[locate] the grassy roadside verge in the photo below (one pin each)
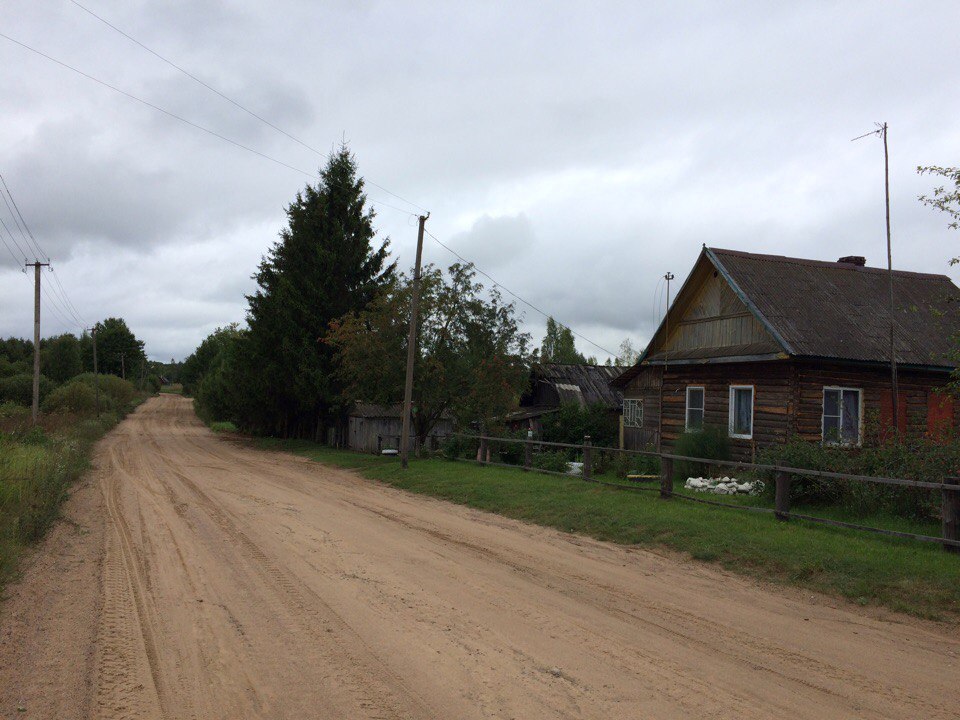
(37, 467)
(906, 576)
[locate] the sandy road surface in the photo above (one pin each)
(199, 579)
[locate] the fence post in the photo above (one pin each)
(483, 451)
(951, 512)
(527, 454)
(782, 500)
(379, 444)
(586, 458)
(666, 478)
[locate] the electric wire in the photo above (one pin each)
(55, 308)
(149, 104)
(17, 223)
(197, 126)
(20, 215)
(9, 250)
(226, 97)
(66, 297)
(19, 249)
(511, 292)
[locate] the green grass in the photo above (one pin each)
(906, 576)
(175, 388)
(223, 426)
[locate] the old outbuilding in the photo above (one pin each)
(770, 347)
(554, 384)
(374, 428)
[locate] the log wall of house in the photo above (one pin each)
(915, 391)
(773, 401)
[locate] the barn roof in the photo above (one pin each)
(836, 310)
(581, 384)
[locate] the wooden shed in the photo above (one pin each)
(553, 384)
(373, 428)
(770, 347)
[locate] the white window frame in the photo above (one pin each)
(702, 408)
(633, 412)
(731, 409)
(823, 415)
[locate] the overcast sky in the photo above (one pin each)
(575, 151)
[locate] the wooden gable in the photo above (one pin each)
(709, 320)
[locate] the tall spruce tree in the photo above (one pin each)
(324, 266)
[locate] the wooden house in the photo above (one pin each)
(373, 428)
(769, 348)
(553, 384)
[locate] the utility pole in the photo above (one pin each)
(666, 320)
(36, 336)
(411, 351)
(96, 369)
(893, 356)
(881, 131)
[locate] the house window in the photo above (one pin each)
(632, 412)
(695, 397)
(741, 411)
(841, 415)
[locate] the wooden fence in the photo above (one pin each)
(949, 488)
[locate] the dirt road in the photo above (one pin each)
(199, 579)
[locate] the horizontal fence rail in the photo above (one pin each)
(950, 487)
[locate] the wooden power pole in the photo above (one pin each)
(36, 337)
(893, 355)
(881, 131)
(411, 351)
(96, 369)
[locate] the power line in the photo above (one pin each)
(226, 97)
(19, 229)
(155, 107)
(20, 249)
(3, 240)
(184, 120)
(76, 314)
(511, 292)
(20, 215)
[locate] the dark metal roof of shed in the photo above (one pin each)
(575, 383)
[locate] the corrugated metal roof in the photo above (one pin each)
(839, 310)
(586, 384)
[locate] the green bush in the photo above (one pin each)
(911, 458)
(623, 464)
(572, 422)
(19, 388)
(710, 443)
(553, 461)
(13, 411)
(120, 392)
(76, 397)
(456, 447)
(511, 452)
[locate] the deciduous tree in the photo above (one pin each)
(471, 356)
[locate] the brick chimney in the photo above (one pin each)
(857, 260)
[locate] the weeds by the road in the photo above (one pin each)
(911, 577)
(37, 467)
(223, 426)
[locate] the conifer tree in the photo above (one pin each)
(324, 266)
